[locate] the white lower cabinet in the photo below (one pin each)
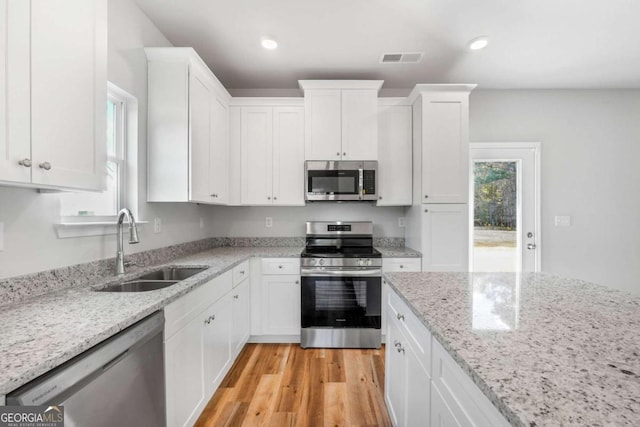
(393, 265)
(240, 317)
(406, 378)
(216, 332)
(281, 305)
(198, 346)
(424, 386)
(184, 375)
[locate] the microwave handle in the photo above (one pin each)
(361, 183)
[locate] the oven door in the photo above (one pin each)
(338, 299)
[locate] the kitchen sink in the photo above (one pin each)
(154, 280)
(139, 286)
(172, 273)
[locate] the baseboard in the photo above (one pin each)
(274, 339)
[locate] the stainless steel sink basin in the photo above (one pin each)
(138, 286)
(154, 280)
(172, 273)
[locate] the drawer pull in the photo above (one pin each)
(400, 316)
(235, 297)
(397, 343)
(280, 267)
(401, 266)
(401, 349)
(241, 271)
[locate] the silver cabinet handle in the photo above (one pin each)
(338, 154)
(531, 246)
(275, 198)
(380, 198)
(426, 210)
(280, 267)
(397, 343)
(25, 162)
(401, 266)
(210, 319)
(46, 166)
(241, 271)
(268, 198)
(297, 282)
(400, 349)
(235, 297)
(344, 154)
(400, 316)
(426, 196)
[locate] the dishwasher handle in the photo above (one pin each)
(73, 374)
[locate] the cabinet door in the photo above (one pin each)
(257, 155)
(281, 305)
(394, 155)
(360, 124)
(445, 148)
(184, 373)
(200, 116)
(418, 389)
(216, 337)
(323, 132)
(441, 415)
(240, 317)
(445, 237)
(219, 151)
(288, 156)
(15, 142)
(69, 92)
(395, 373)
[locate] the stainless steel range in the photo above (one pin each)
(341, 286)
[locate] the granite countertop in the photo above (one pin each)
(545, 350)
(40, 333)
(398, 252)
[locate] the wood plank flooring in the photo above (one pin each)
(279, 385)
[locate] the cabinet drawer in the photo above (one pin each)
(413, 329)
(240, 273)
(181, 311)
(281, 266)
(467, 404)
(392, 265)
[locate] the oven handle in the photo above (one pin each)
(361, 183)
(309, 272)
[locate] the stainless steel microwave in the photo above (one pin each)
(341, 180)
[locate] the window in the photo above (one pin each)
(85, 209)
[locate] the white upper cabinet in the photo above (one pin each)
(187, 129)
(341, 120)
(55, 137)
(271, 152)
(394, 153)
(441, 144)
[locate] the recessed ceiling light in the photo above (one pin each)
(269, 43)
(479, 43)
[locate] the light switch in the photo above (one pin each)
(157, 225)
(401, 222)
(563, 221)
(1, 236)
(268, 222)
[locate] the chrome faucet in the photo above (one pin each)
(133, 237)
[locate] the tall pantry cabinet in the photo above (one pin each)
(438, 219)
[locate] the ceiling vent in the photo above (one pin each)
(402, 58)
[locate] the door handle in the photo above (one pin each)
(531, 246)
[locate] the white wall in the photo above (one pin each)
(290, 221)
(590, 155)
(31, 243)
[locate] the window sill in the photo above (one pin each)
(66, 230)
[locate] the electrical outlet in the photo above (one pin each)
(157, 225)
(268, 222)
(401, 222)
(201, 222)
(1, 236)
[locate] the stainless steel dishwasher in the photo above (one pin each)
(118, 382)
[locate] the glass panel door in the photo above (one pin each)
(505, 214)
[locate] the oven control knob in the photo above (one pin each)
(368, 262)
(321, 262)
(312, 261)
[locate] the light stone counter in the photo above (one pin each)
(42, 332)
(547, 351)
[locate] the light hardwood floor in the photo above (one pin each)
(284, 385)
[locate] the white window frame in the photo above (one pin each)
(127, 159)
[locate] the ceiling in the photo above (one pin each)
(533, 43)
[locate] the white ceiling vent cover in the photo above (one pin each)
(402, 58)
